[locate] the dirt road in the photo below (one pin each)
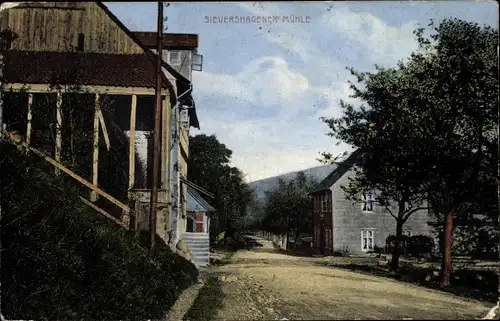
(262, 284)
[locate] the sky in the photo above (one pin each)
(265, 84)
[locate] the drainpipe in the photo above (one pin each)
(175, 188)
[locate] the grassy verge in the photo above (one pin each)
(226, 258)
(208, 301)
(466, 283)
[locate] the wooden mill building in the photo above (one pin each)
(63, 50)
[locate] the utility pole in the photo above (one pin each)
(153, 208)
(3, 46)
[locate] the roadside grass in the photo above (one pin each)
(466, 283)
(225, 259)
(208, 301)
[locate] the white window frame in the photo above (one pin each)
(365, 233)
(407, 232)
(368, 203)
(324, 206)
(174, 63)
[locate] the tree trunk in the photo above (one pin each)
(288, 225)
(394, 265)
(297, 234)
(446, 265)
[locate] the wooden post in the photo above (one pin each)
(131, 164)
(131, 161)
(28, 125)
(58, 130)
(95, 145)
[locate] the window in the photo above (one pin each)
(81, 42)
(175, 57)
(407, 233)
(368, 201)
(324, 205)
(367, 240)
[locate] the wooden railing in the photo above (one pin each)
(12, 138)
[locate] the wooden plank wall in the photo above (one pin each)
(55, 27)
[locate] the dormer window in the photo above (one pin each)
(174, 58)
(368, 201)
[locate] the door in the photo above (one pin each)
(190, 224)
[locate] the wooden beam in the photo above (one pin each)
(109, 90)
(57, 155)
(95, 146)
(104, 129)
(28, 125)
(131, 166)
(75, 176)
(131, 158)
(103, 212)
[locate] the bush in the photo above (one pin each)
(420, 245)
(417, 245)
(62, 261)
(390, 244)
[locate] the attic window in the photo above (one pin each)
(81, 42)
(174, 57)
(368, 200)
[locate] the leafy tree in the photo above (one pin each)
(388, 166)
(208, 167)
(287, 208)
(430, 128)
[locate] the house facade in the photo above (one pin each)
(352, 227)
(83, 45)
(180, 51)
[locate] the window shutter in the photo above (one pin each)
(175, 57)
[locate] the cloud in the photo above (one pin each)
(385, 43)
(292, 38)
(290, 135)
(265, 82)
(267, 147)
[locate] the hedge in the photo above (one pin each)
(417, 245)
(62, 261)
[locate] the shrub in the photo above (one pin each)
(420, 245)
(62, 261)
(390, 244)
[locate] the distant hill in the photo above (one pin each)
(261, 186)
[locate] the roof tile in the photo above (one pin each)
(117, 70)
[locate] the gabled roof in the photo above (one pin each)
(183, 84)
(337, 173)
(198, 188)
(117, 70)
(196, 203)
(129, 33)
